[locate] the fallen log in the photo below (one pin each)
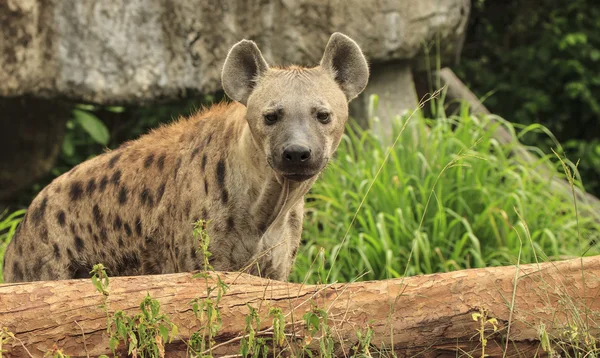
(426, 316)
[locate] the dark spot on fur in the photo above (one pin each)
(103, 183)
(203, 162)
(146, 197)
(128, 229)
(225, 196)
(44, 235)
(73, 228)
(17, 272)
(76, 190)
(262, 227)
(79, 244)
(221, 173)
(38, 213)
(177, 166)
(176, 250)
(204, 214)
(89, 227)
(57, 188)
(160, 192)
(294, 252)
(56, 251)
(294, 220)
(121, 242)
(91, 186)
(205, 187)
(79, 271)
(208, 139)
(161, 162)
(97, 215)
(138, 226)
(118, 223)
(70, 254)
(230, 223)
(193, 254)
(228, 134)
(116, 177)
(60, 218)
(129, 263)
(148, 161)
(195, 152)
(114, 160)
(188, 207)
(123, 195)
(96, 239)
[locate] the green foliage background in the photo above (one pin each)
(538, 61)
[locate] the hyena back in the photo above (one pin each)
(244, 166)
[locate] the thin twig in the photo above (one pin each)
(84, 344)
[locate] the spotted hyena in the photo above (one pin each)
(245, 166)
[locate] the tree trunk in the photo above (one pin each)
(427, 316)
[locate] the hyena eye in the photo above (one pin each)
(323, 117)
(271, 118)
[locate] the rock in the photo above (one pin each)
(141, 51)
(126, 52)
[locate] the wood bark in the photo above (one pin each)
(457, 90)
(426, 316)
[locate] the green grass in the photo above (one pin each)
(8, 226)
(448, 197)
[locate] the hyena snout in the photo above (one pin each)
(296, 154)
(298, 162)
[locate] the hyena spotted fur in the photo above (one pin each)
(244, 166)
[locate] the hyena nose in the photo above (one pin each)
(295, 153)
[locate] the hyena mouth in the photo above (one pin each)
(299, 177)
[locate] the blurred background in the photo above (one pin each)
(411, 191)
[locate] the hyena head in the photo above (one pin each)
(296, 115)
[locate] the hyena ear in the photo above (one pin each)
(243, 66)
(344, 60)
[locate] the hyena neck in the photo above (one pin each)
(269, 194)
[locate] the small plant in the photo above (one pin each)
(364, 341)
(203, 240)
(55, 353)
(207, 312)
(278, 326)
(5, 337)
(146, 332)
(100, 279)
(483, 320)
(251, 345)
(316, 324)
(206, 309)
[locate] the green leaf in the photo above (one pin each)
(68, 148)
(164, 333)
(93, 126)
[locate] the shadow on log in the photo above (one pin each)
(426, 316)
